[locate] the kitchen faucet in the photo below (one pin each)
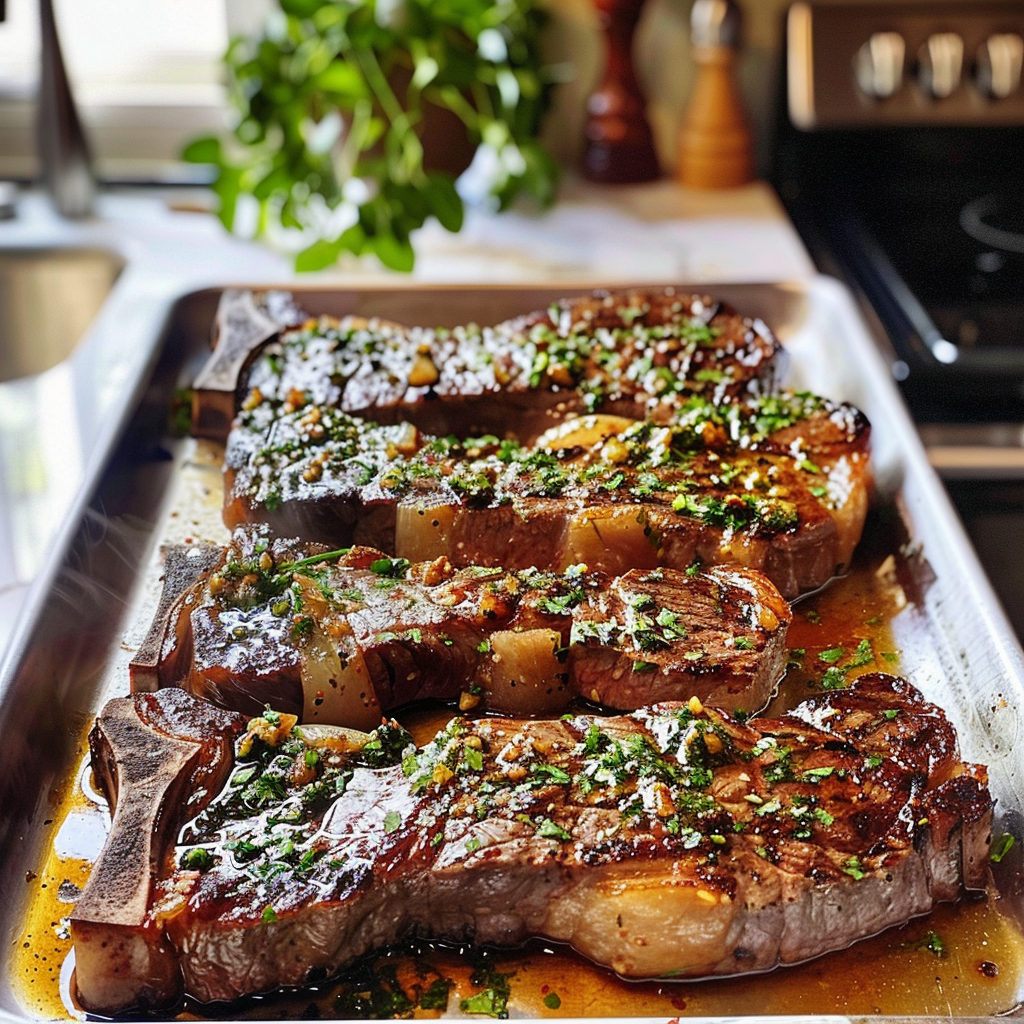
(63, 148)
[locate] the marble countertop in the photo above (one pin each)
(61, 423)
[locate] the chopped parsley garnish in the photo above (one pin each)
(853, 868)
(496, 991)
(394, 568)
(834, 678)
(863, 655)
(1001, 846)
(932, 943)
(197, 859)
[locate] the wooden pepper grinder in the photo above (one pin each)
(619, 145)
(715, 145)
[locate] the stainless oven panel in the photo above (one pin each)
(876, 65)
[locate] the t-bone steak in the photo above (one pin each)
(671, 842)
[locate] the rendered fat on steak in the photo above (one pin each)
(672, 842)
(344, 637)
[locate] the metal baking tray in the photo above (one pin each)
(90, 606)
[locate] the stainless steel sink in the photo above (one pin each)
(48, 298)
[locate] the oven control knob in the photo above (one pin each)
(998, 67)
(940, 63)
(878, 65)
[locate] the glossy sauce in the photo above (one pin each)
(843, 630)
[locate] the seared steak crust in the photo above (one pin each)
(625, 415)
(634, 353)
(670, 842)
(276, 624)
(718, 488)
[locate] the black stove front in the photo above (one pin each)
(899, 153)
(917, 199)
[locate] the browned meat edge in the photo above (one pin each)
(671, 842)
(350, 637)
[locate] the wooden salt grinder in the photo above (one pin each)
(715, 145)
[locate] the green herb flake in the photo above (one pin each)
(269, 915)
(932, 943)
(549, 830)
(435, 995)
(394, 568)
(200, 859)
(834, 678)
(552, 1001)
(550, 774)
(863, 655)
(853, 868)
(832, 655)
(490, 1002)
(1001, 846)
(392, 821)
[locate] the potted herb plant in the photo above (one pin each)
(344, 118)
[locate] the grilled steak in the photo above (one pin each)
(729, 484)
(343, 638)
(673, 842)
(627, 430)
(634, 353)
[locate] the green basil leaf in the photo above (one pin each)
(203, 151)
(444, 201)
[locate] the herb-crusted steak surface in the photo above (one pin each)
(672, 842)
(624, 430)
(634, 353)
(613, 496)
(341, 638)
